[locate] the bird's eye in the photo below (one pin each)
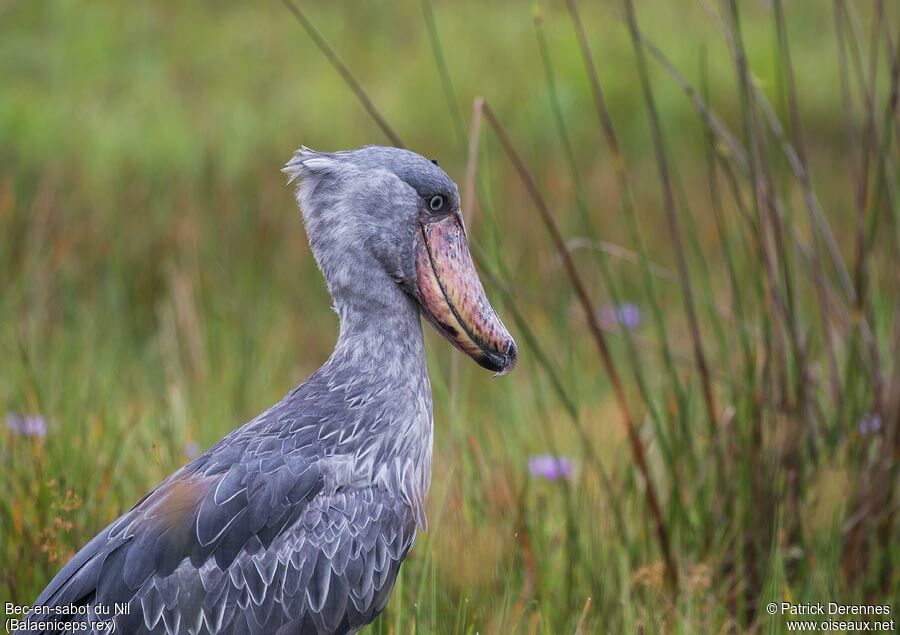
(436, 203)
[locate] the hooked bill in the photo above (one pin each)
(453, 299)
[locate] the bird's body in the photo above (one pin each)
(297, 521)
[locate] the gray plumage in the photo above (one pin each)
(297, 521)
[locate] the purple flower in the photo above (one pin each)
(27, 425)
(550, 468)
(626, 315)
(869, 424)
(191, 449)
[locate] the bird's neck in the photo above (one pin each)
(381, 336)
(379, 360)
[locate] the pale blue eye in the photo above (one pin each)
(436, 203)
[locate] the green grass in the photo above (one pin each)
(156, 289)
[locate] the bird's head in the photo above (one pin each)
(384, 222)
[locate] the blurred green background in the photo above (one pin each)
(156, 290)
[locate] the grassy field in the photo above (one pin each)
(722, 179)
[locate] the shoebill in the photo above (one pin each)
(298, 521)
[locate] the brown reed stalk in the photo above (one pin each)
(860, 150)
(468, 199)
(869, 147)
(637, 445)
(803, 177)
(758, 535)
(603, 264)
(767, 211)
(722, 231)
(472, 161)
(674, 228)
(799, 402)
(627, 202)
(344, 72)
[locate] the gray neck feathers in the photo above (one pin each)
(384, 338)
